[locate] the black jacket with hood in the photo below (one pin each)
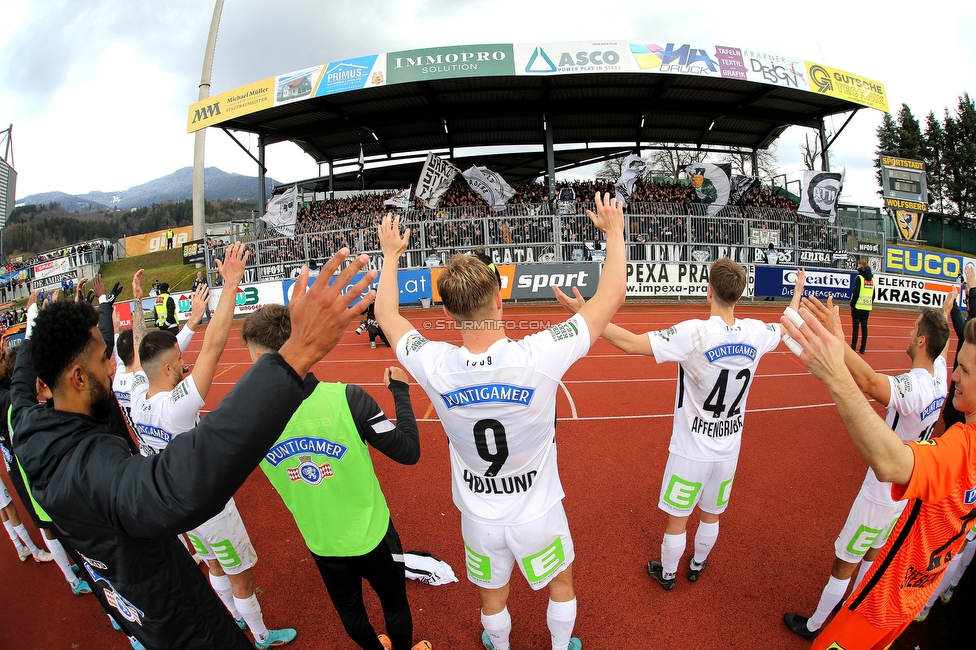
(863, 273)
(122, 511)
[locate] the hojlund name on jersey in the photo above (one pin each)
(488, 394)
(305, 445)
(730, 350)
(509, 485)
(718, 429)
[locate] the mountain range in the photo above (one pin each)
(177, 186)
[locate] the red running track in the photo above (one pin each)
(798, 474)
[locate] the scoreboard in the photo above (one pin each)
(903, 179)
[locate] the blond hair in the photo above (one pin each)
(467, 287)
(728, 280)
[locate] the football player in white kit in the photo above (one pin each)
(496, 399)
(166, 404)
(717, 360)
(914, 403)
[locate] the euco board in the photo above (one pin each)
(916, 261)
(674, 279)
(910, 292)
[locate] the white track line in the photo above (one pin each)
(572, 404)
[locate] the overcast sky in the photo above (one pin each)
(98, 90)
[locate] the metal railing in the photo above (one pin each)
(655, 232)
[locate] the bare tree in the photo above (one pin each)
(611, 169)
(671, 161)
(741, 161)
(810, 151)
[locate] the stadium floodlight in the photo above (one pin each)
(199, 142)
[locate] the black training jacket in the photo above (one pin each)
(122, 512)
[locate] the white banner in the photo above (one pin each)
(711, 185)
(51, 267)
(820, 194)
(677, 279)
(400, 200)
(435, 178)
(490, 185)
(908, 291)
(251, 297)
(282, 212)
(633, 168)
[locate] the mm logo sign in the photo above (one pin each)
(206, 112)
(246, 296)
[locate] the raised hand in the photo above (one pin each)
(232, 268)
(572, 305)
(137, 285)
(828, 315)
(321, 314)
(950, 301)
(98, 285)
(823, 353)
(198, 304)
(392, 243)
(394, 373)
(609, 217)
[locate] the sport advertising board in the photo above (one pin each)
(454, 62)
(51, 267)
(156, 241)
(916, 261)
(737, 62)
(250, 297)
(910, 292)
(778, 282)
(667, 279)
(573, 57)
(414, 285)
(535, 280)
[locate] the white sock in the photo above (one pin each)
(498, 627)
(863, 571)
(13, 535)
(967, 557)
(61, 559)
(25, 538)
(250, 610)
(561, 618)
(705, 540)
(832, 594)
(672, 549)
(221, 584)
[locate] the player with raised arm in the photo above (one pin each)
(166, 404)
(496, 399)
(913, 401)
(717, 360)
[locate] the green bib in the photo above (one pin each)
(321, 468)
(43, 516)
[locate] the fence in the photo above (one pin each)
(536, 233)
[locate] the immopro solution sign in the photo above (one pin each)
(455, 62)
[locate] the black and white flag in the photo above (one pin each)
(400, 200)
(821, 192)
(741, 188)
(490, 185)
(435, 178)
(632, 169)
(282, 212)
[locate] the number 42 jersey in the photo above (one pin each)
(716, 365)
(498, 409)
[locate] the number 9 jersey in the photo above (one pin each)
(498, 409)
(717, 363)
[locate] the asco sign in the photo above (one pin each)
(914, 261)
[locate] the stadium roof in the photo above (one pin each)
(497, 105)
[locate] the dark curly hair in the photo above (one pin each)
(125, 349)
(62, 333)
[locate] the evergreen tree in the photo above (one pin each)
(887, 144)
(960, 157)
(934, 164)
(910, 142)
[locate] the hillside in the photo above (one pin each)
(178, 186)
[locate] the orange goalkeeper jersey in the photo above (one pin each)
(931, 530)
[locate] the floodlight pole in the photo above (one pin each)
(200, 137)
(550, 160)
(824, 145)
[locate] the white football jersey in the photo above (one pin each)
(165, 415)
(498, 409)
(716, 365)
(122, 386)
(913, 411)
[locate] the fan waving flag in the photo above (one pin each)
(400, 200)
(490, 185)
(742, 188)
(821, 192)
(435, 178)
(282, 212)
(633, 168)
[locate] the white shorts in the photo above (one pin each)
(224, 538)
(868, 526)
(687, 483)
(5, 499)
(543, 547)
